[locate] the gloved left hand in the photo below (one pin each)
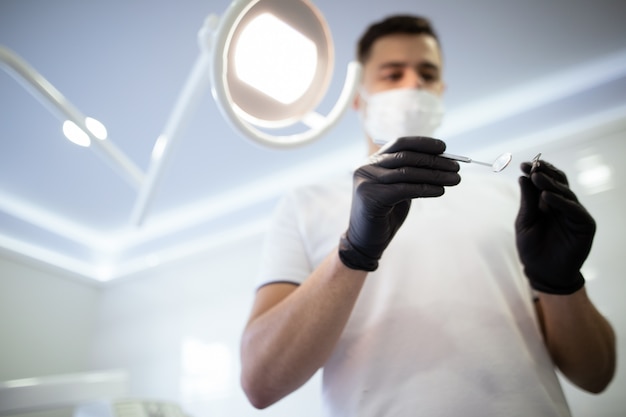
(554, 232)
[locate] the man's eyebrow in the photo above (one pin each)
(402, 64)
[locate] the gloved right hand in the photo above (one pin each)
(382, 192)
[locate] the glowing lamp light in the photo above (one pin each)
(81, 138)
(159, 147)
(75, 134)
(276, 59)
(96, 128)
(271, 66)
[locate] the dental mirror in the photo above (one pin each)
(497, 165)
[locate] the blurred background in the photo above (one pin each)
(82, 289)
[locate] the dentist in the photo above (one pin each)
(416, 293)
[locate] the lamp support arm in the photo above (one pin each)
(188, 100)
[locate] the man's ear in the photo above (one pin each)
(443, 88)
(357, 101)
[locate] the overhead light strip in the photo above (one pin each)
(534, 94)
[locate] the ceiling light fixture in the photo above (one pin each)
(268, 63)
(82, 130)
(594, 175)
(79, 136)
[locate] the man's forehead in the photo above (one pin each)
(408, 48)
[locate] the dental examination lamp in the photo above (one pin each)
(269, 64)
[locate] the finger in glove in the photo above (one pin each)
(420, 144)
(548, 179)
(545, 167)
(411, 158)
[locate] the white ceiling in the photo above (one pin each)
(520, 76)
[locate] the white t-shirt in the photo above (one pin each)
(446, 325)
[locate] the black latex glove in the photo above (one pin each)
(554, 232)
(382, 193)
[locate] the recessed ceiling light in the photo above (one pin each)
(594, 175)
(75, 134)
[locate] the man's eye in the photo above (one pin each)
(428, 77)
(394, 76)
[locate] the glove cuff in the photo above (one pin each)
(570, 288)
(353, 259)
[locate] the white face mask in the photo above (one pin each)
(392, 114)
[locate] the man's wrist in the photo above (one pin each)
(353, 259)
(562, 287)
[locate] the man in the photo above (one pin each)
(415, 302)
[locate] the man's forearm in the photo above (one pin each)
(580, 340)
(285, 345)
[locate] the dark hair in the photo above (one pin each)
(398, 24)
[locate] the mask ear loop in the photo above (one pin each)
(363, 96)
(362, 93)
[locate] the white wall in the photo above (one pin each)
(147, 324)
(177, 330)
(47, 321)
(47, 324)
